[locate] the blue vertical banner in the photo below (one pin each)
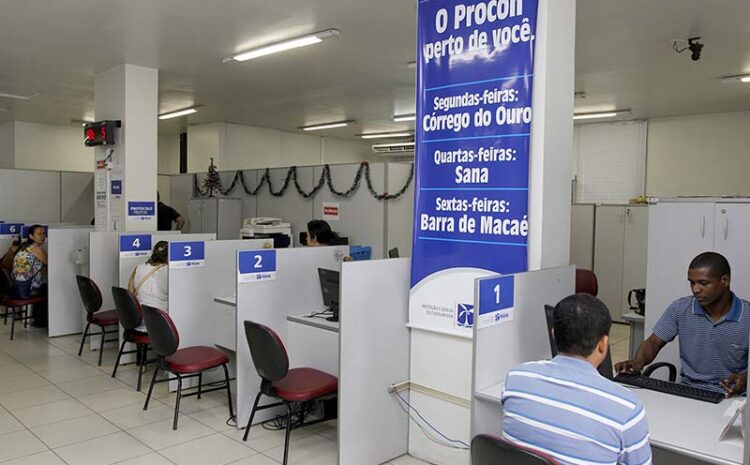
(475, 65)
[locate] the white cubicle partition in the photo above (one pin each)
(65, 306)
(500, 347)
(295, 290)
(373, 355)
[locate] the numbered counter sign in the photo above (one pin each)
(496, 301)
(135, 245)
(187, 254)
(256, 265)
(10, 229)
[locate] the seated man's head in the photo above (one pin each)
(709, 276)
(581, 325)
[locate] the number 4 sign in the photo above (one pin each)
(187, 254)
(495, 301)
(256, 265)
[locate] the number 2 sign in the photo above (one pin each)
(256, 265)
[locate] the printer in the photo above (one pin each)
(265, 228)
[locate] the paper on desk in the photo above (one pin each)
(736, 406)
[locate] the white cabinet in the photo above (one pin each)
(620, 244)
(582, 236)
(216, 215)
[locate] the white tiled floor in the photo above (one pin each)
(59, 409)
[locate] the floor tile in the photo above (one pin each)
(262, 439)
(15, 369)
(133, 416)
(103, 451)
(115, 398)
(256, 460)
(21, 383)
(79, 429)
(90, 385)
(44, 458)
(19, 444)
(313, 450)
(71, 374)
(211, 450)
(149, 459)
(407, 460)
(215, 417)
(161, 435)
(30, 397)
(9, 424)
(51, 413)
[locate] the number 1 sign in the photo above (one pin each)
(256, 265)
(495, 301)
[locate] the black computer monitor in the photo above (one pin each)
(393, 253)
(605, 369)
(339, 241)
(329, 286)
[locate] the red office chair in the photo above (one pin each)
(129, 314)
(291, 387)
(492, 450)
(92, 301)
(586, 282)
(17, 308)
(184, 363)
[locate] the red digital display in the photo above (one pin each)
(100, 133)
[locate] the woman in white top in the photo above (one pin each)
(149, 281)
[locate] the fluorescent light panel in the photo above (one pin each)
(396, 144)
(745, 79)
(17, 97)
(403, 118)
(183, 112)
(601, 114)
(385, 135)
(285, 45)
(317, 127)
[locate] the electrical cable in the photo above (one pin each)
(453, 443)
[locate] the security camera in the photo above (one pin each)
(695, 48)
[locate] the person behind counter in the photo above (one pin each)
(166, 215)
(713, 325)
(29, 272)
(319, 233)
(149, 281)
(564, 408)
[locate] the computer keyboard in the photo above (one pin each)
(666, 387)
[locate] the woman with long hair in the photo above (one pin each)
(149, 281)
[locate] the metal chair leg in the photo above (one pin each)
(101, 345)
(288, 431)
(177, 402)
(13, 324)
(141, 358)
(200, 384)
(117, 362)
(151, 388)
(83, 339)
(229, 390)
(25, 316)
(252, 415)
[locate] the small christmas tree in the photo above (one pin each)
(213, 180)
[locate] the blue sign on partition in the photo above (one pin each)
(135, 245)
(142, 209)
(116, 188)
(187, 254)
(10, 229)
(496, 301)
(475, 63)
(256, 265)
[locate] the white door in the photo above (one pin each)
(732, 222)
(608, 254)
(635, 251)
(677, 232)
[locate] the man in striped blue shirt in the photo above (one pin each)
(714, 330)
(564, 408)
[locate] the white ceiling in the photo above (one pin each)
(624, 58)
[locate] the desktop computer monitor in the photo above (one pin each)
(329, 286)
(605, 369)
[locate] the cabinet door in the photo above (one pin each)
(608, 255)
(195, 217)
(732, 227)
(210, 214)
(635, 251)
(229, 219)
(582, 236)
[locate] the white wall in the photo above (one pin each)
(7, 146)
(169, 154)
(699, 155)
(50, 147)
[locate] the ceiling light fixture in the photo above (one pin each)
(317, 127)
(601, 114)
(745, 79)
(183, 112)
(406, 145)
(284, 45)
(17, 97)
(385, 135)
(402, 118)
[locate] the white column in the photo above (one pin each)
(128, 93)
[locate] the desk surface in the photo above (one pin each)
(632, 316)
(231, 300)
(315, 322)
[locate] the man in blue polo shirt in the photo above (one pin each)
(714, 329)
(564, 408)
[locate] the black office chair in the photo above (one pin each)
(492, 450)
(92, 301)
(129, 314)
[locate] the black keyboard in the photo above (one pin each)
(666, 387)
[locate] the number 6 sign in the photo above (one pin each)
(256, 265)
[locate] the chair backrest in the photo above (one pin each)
(491, 450)
(5, 284)
(268, 352)
(128, 309)
(586, 282)
(90, 294)
(161, 331)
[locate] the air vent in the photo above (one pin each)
(395, 149)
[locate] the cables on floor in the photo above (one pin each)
(427, 429)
